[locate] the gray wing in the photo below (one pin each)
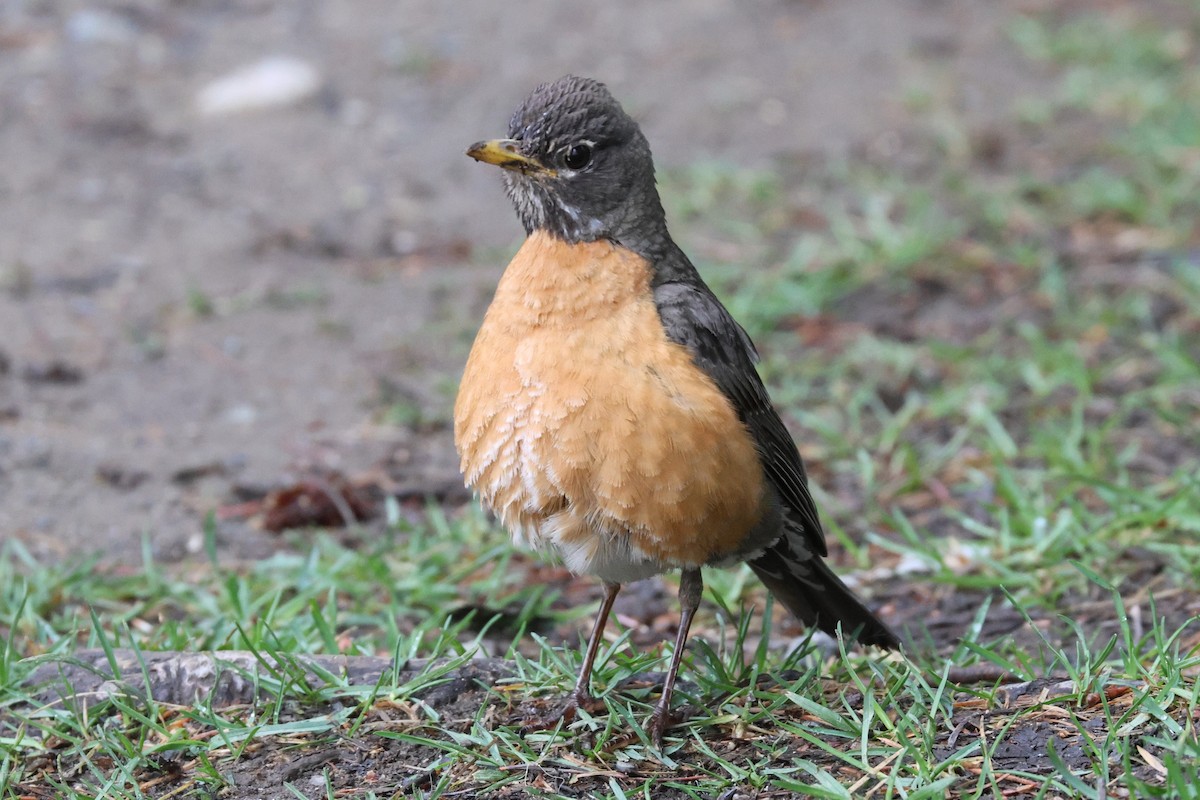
(693, 317)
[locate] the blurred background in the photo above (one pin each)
(239, 241)
(242, 255)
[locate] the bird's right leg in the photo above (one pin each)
(581, 694)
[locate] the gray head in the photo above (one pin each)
(578, 167)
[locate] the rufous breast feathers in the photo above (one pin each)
(582, 426)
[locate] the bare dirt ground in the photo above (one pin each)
(194, 306)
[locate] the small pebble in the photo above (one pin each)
(273, 82)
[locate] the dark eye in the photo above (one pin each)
(578, 156)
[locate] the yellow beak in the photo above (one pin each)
(506, 154)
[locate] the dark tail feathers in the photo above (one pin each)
(817, 597)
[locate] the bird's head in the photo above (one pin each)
(577, 166)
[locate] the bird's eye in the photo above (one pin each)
(578, 156)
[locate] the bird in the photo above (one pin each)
(610, 410)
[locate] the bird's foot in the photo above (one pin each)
(565, 714)
(657, 725)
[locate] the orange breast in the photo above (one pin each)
(583, 427)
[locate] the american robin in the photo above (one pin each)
(610, 409)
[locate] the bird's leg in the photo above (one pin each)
(581, 694)
(691, 586)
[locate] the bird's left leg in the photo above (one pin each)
(582, 692)
(691, 586)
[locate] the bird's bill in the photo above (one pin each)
(506, 154)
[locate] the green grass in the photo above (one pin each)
(883, 723)
(995, 378)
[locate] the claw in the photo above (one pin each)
(656, 726)
(565, 714)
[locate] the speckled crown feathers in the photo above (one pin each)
(562, 109)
